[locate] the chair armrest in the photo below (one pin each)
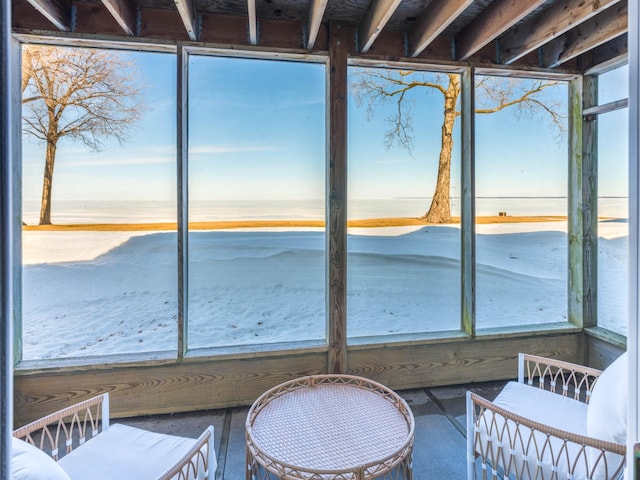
(557, 376)
(199, 462)
(510, 431)
(69, 425)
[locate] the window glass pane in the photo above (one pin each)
(613, 220)
(613, 85)
(521, 203)
(99, 253)
(403, 268)
(256, 202)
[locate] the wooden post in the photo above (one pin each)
(15, 179)
(576, 246)
(467, 204)
(8, 105)
(183, 200)
(633, 332)
(590, 202)
(336, 212)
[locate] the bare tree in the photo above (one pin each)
(375, 87)
(81, 93)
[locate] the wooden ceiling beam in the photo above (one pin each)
(603, 58)
(316, 12)
(187, 11)
(598, 30)
(374, 21)
(54, 11)
(253, 22)
(432, 23)
(496, 19)
(551, 23)
(124, 12)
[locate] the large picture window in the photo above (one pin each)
(256, 202)
(99, 202)
(613, 203)
(404, 218)
(521, 202)
(100, 192)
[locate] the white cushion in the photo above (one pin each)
(519, 453)
(126, 453)
(607, 415)
(544, 407)
(31, 463)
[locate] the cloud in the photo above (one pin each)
(216, 149)
(124, 160)
(152, 155)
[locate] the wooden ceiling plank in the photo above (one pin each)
(124, 12)
(187, 11)
(54, 11)
(374, 21)
(316, 12)
(496, 19)
(432, 23)
(598, 30)
(551, 23)
(253, 22)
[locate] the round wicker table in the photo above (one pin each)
(329, 427)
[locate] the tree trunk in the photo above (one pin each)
(45, 207)
(440, 209)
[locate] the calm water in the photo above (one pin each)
(66, 211)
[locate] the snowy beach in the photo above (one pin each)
(93, 293)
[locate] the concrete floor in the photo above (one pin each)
(439, 448)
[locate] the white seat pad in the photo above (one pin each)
(544, 407)
(125, 453)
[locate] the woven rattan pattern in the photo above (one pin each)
(329, 423)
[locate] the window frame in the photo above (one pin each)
(467, 320)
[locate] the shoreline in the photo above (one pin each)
(234, 224)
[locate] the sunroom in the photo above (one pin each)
(408, 191)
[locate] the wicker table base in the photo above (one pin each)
(329, 427)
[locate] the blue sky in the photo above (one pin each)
(257, 132)
(143, 168)
(613, 131)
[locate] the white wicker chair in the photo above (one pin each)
(82, 441)
(537, 427)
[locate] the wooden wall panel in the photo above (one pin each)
(218, 383)
(440, 49)
(322, 39)
(163, 25)
(485, 56)
(226, 29)
(602, 347)
(141, 390)
(93, 18)
(389, 42)
(457, 363)
(279, 34)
